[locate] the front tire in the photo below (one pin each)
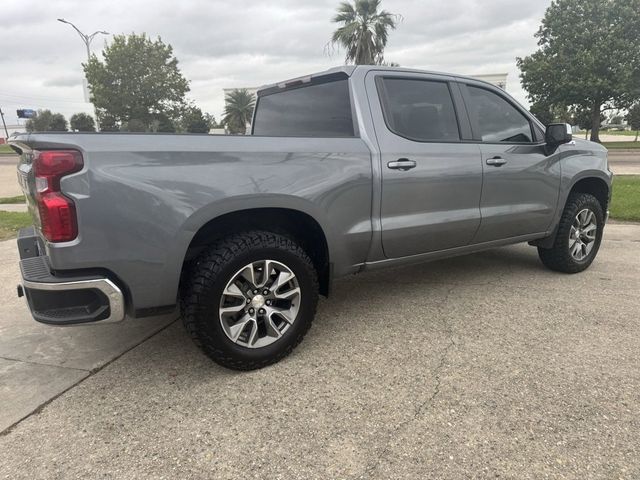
(250, 299)
(579, 235)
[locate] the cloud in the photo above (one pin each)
(222, 43)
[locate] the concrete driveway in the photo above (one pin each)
(482, 366)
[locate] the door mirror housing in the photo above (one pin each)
(558, 134)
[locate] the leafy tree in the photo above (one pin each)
(238, 110)
(134, 125)
(551, 113)
(364, 31)
(137, 79)
(108, 123)
(162, 123)
(633, 118)
(588, 56)
(542, 112)
(82, 122)
(46, 121)
(583, 119)
(194, 121)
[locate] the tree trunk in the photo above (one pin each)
(595, 123)
(637, 131)
(586, 134)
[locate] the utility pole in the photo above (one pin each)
(87, 39)
(4, 123)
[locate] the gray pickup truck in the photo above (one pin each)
(348, 170)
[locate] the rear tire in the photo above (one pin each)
(250, 299)
(579, 235)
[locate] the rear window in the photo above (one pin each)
(321, 110)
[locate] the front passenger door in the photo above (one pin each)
(521, 183)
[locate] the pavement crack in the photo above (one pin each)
(90, 373)
(41, 364)
(428, 402)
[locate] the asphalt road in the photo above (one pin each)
(485, 366)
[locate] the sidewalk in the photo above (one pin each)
(39, 362)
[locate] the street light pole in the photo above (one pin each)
(87, 39)
(3, 123)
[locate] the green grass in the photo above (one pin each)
(12, 200)
(625, 203)
(11, 222)
(623, 133)
(6, 149)
(621, 145)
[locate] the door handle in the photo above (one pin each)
(496, 161)
(403, 164)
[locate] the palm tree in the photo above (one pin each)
(239, 104)
(364, 31)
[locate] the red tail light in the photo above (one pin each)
(58, 219)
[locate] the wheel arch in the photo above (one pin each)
(296, 224)
(595, 183)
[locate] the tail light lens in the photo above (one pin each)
(58, 219)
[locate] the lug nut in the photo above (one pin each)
(255, 292)
(251, 311)
(265, 292)
(268, 302)
(261, 311)
(248, 300)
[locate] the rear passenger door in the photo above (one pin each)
(431, 179)
(520, 182)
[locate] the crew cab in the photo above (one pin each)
(348, 170)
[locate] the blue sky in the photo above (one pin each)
(249, 43)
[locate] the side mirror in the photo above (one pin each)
(558, 134)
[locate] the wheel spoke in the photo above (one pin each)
(267, 266)
(236, 329)
(254, 333)
(233, 290)
(249, 274)
(232, 309)
(282, 279)
(576, 249)
(287, 295)
(273, 327)
(573, 237)
(284, 313)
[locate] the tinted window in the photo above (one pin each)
(496, 119)
(419, 110)
(322, 110)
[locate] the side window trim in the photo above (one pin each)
(463, 85)
(383, 100)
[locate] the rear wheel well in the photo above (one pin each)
(593, 186)
(296, 225)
